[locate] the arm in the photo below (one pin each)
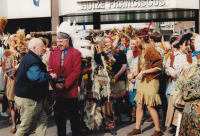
(121, 71)
(50, 67)
(115, 43)
(73, 77)
(168, 69)
(35, 74)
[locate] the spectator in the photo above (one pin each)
(30, 88)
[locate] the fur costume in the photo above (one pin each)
(3, 23)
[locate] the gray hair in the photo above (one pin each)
(33, 42)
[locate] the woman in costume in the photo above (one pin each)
(9, 60)
(119, 67)
(131, 83)
(175, 63)
(188, 85)
(149, 68)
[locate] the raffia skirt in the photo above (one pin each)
(147, 93)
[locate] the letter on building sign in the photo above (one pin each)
(136, 3)
(116, 5)
(127, 3)
(89, 5)
(150, 3)
(156, 3)
(111, 3)
(96, 5)
(143, 3)
(102, 6)
(84, 6)
(162, 2)
(121, 4)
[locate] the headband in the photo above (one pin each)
(62, 35)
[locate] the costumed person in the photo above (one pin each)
(175, 63)
(119, 67)
(65, 61)
(96, 89)
(9, 60)
(150, 66)
(168, 79)
(188, 96)
(156, 41)
(192, 39)
(3, 22)
(131, 83)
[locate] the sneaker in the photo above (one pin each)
(4, 114)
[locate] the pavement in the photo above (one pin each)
(122, 130)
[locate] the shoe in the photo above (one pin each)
(113, 132)
(172, 130)
(13, 130)
(119, 120)
(150, 119)
(134, 132)
(4, 114)
(157, 133)
(133, 116)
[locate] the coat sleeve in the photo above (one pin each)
(50, 67)
(73, 77)
(156, 59)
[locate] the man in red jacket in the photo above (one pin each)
(65, 61)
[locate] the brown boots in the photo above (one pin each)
(157, 133)
(134, 132)
(133, 116)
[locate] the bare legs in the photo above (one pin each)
(153, 113)
(12, 113)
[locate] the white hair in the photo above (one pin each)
(34, 42)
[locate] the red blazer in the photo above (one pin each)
(71, 70)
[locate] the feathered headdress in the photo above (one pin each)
(20, 41)
(127, 31)
(78, 43)
(3, 22)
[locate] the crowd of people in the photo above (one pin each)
(93, 76)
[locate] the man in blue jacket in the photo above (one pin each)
(30, 88)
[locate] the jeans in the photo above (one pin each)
(131, 97)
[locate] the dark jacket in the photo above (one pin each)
(26, 88)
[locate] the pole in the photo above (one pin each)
(54, 16)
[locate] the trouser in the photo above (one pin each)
(118, 106)
(33, 117)
(4, 103)
(107, 113)
(163, 97)
(72, 106)
(131, 97)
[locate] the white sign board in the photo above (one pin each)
(121, 4)
(25, 9)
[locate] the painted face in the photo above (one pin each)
(123, 40)
(63, 43)
(134, 45)
(108, 43)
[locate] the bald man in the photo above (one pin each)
(30, 88)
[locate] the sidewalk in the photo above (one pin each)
(148, 128)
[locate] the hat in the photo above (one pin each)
(184, 36)
(45, 40)
(194, 36)
(28, 37)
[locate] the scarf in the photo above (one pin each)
(135, 54)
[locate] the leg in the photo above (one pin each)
(59, 111)
(29, 112)
(4, 103)
(155, 116)
(119, 104)
(139, 115)
(41, 124)
(74, 115)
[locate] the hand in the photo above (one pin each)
(116, 77)
(140, 75)
(129, 76)
(59, 86)
(135, 72)
(132, 80)
(173, 74)
(185, 64)
(53, 75)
